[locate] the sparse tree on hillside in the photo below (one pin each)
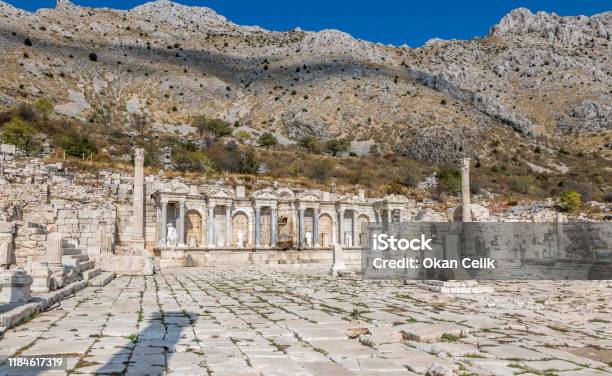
(20, 133)
(43, 108)
(103, 116)
(267, 139)
(337, 146)
(139, 121)
(309, 143)
(216, 127)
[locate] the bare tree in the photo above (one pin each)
(139, 121)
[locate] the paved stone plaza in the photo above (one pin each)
(299, 321)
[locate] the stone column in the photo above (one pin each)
(355, 228)
(315, 228)
(138, 200)
(210, 226)
(181, 224)
(163, 224)
(465, 190)
(55, 251)
(301, 228)
(273, 226)
(340, 229)
(334, 233)
(257, 226)
(389, 220)
(338, 260)
(228, 226)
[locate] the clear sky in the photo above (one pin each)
(395, 22)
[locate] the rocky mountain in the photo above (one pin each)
(534, 79)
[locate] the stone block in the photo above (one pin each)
(15, 286)
(40, 273)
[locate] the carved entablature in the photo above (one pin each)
(218, 195)
(393, 201)
(265, 197)
(309, 199)
(349, 202)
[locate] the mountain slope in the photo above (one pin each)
(533, 75)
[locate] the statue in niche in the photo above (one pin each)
(308, 238)
(240, 239)
(172, 236)
(192, 240)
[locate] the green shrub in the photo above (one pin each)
(77, 145)
(570, 201)
(267, 139)
(337, 146)
(195, 161)
(20, 133)
(309, 143)
(231, 158)
(243, 136)
(449, 180)
(216, 127)
(43, 107)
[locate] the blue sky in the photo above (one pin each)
(396, 22)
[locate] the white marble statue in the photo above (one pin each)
(240, 239)
(348, 239)
(171, 236)
(308, 238)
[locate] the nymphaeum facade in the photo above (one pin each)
(217, 218)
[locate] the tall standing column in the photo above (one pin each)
(465, 190)
(210, 226)
(138, 200)
(228, 226)
(273, 226)
(340, 227)
(315, 228)
(181, 224)
(355, 229)
(257, 226)
(163, 227)
(301, 228)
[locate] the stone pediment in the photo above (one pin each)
(309, 196)
(219, 192)
(350, 199)
(265, 194)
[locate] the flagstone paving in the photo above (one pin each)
(298, 321)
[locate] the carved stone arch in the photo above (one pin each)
(241, 223)
(193, 229)
(285, 194)
(326, 229)
(363, 221)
